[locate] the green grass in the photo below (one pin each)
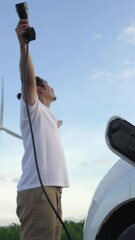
(75, 230)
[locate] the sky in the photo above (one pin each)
(85, 49)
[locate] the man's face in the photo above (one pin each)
(48, 91)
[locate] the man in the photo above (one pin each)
(38, 221)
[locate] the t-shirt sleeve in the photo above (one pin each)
(31, 108)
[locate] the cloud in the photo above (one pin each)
(128, 34)
(126, 73)
(88, 149)
(97, 35)
(126, 62)
(100, 74)
(84, 164)
(15, 180)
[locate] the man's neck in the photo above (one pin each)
(45, 101)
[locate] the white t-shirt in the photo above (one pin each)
(50, 155)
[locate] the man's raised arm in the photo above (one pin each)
(22, 26)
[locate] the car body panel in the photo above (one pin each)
(116, 187)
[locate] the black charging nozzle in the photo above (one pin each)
(22, 11)
(120, 138)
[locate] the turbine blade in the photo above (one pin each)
(12, 133)
(1, 114)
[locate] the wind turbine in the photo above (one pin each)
(1, 115)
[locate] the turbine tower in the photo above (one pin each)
(1, 115)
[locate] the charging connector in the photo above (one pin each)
(22, 11)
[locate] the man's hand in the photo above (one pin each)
(21, 29)
(59, 123)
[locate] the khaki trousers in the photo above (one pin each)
(38, 220)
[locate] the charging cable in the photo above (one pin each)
(34, 147)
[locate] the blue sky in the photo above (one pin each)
(86, 51)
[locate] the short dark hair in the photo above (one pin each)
(39, 82)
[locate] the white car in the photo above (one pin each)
(111, 215)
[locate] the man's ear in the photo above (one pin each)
(39, 90)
